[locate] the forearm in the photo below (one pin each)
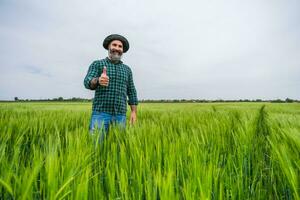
(94, 83)
(133, 108)
(90, 80)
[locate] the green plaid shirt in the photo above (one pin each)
(113, 98)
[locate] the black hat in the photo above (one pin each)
(112, 37)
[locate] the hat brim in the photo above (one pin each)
(113, 37)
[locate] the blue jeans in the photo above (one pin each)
(103, 120)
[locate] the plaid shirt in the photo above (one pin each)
(112, 99)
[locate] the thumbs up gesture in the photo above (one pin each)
(104, 79)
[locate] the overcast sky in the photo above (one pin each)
(178, 49)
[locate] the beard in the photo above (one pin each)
(114, 55)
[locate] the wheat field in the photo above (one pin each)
(175, 151)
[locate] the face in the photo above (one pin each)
(115, 50)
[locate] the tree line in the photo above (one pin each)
(78, 99)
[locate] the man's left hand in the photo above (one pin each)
(132, 119)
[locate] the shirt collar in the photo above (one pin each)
(120, 62)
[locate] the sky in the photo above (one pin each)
(178, 49)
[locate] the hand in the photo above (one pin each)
(132, 119)
(104, 79)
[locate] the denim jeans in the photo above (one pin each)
(102, 121)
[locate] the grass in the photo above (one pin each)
(175, 151)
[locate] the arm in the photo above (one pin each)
(94, 83)
(132, 99)
(91, 79)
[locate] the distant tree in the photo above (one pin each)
(277, 101)
(289, 100)
(16, 99)
(60, 99)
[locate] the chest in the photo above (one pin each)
(117, 74)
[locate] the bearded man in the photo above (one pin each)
(112, 81)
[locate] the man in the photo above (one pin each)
(112, 81)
